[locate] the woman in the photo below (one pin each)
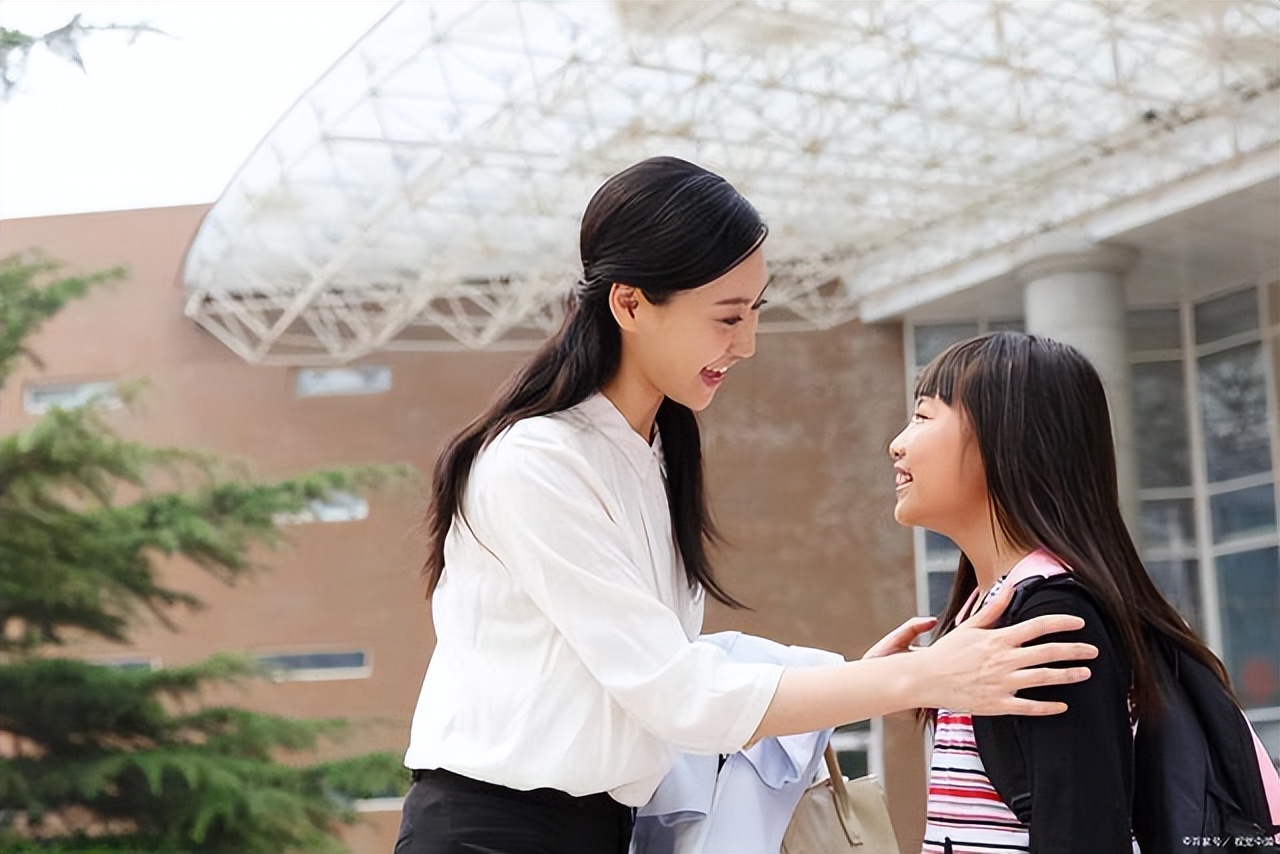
(568, 566)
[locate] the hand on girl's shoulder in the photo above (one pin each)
(1065, 596)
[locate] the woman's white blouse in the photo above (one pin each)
(566, 635)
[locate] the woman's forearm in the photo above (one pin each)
(973, 668)
(813, 698)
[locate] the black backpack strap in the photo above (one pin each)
(996, 737)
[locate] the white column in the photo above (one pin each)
(1074, 293)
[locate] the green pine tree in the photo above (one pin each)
(98, 759)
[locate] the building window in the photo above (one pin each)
(387, 804)
(930, 340)
(316, 666)
(327, 382)
(1205, 395)
(37, 399)
(860, 748)
(337, 507)
(128, 662)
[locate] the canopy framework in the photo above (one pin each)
(425, 193)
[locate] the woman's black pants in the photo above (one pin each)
(446, 813)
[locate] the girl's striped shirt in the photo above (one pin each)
(965, 814)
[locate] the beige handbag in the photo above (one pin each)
(839, 814)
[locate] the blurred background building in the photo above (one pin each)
(1104, 173)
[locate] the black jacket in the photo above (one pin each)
(1077, 790)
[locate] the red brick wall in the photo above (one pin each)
(795, 459)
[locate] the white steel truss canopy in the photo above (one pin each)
(426, 192)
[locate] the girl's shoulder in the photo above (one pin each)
(1061, 594)
(1041, 578)
(1061, 589)
(1066, 595)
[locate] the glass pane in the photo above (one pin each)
(852, 744)
(1243, 513)
(1273, 302)
(318, 382)
(1168, 524)
(1274, 344)
(313, 660)
(1155, 329)
(1226, 316)
(340, 507)
(1249, 585)
(130, 663)
(1164, 450)
(1017, 325)
(1179, 581)
(939, 590)
(39, 399)
(1233, 400)
(937, 546)
(853, 763)
(933, 339)
(861, 729)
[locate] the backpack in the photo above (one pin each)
(1201, 779)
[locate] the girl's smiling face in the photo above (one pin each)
(938, 474)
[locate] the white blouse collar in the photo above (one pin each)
(611, 423)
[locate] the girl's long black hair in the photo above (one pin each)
(1039, 414)
(663, 225)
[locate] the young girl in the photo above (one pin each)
(568, 561)
(1009, 453)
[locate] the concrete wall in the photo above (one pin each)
(797, 464)
(795, 457)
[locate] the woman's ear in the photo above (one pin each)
(623, 302)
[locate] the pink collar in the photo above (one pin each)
(1041, 563)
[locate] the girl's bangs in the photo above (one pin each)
(943, 377)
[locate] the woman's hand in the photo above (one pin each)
(979, 669)
(974, 668)
(899, 640)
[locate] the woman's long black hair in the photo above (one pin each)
(663, 225)
(1039, 415)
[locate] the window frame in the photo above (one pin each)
(374, 379)
(107, 396)
(315, 674)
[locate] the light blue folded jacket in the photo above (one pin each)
(746, 807)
